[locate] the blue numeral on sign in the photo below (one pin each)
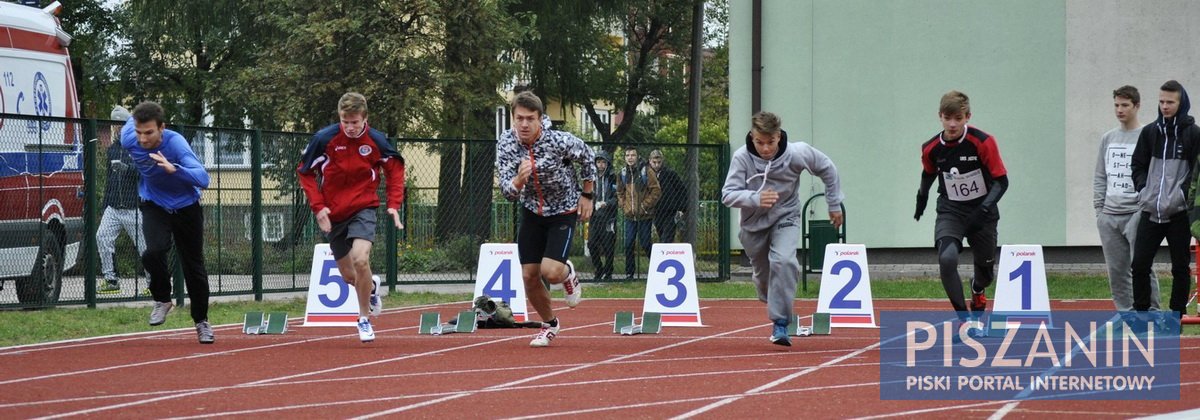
(673, 280)
(1025, 273)
(503, 273)
(839, 299)
(327, 277)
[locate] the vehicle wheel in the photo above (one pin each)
(43, 285)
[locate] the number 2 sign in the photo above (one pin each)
(846, 287)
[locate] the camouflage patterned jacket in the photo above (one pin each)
(552, 189)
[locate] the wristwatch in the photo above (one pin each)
(586, 195)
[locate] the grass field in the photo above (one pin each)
(26, 327)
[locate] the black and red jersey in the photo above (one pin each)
(956, 161)
(349, 170)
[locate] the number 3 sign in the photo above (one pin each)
(671, 285)
(846, 287)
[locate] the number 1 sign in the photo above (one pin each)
(1021, 281)
(846, 287)
(499, 277)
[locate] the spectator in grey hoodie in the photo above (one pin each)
(762, 182)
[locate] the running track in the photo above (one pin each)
(727, 369)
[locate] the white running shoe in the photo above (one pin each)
(542, 339)
(365, 333)
(159, 314)
(572, 288)
(375, 304)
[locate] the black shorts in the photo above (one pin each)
(361, 226)
(545, 236)
(954, 225)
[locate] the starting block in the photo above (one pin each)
(431, 323)
(271, 323)
(820, 326)
(623, 323)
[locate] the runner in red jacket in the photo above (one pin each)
(340, 173)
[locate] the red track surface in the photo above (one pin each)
(727, 369)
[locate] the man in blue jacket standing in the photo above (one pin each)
(172, 178)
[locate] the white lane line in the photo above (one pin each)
(560, 372)
(118, 338)
(283, 378)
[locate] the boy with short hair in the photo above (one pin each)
(971, 178)
(762, 181)
(339, 172)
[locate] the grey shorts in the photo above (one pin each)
(361, 226)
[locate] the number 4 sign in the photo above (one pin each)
(846, 287)
(499, 277)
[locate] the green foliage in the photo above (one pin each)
(622, 52)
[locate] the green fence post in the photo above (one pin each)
(723, 223)
(89, 212)
(256, 215)
(393, 250)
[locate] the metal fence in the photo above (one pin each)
(259, 230)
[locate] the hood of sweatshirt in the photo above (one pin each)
(783, 141)
(1181, 119)
(607, 158)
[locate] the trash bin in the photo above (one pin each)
(815, 235)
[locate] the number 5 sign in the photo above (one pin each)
(499, 277)
(671, 285)
(331, 302)
(846, 287)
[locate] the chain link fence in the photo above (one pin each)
(64, 187)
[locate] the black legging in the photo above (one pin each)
(948, 250)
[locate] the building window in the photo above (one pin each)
(586, 123)
(503, 123)
(272, 226)
(221, 150)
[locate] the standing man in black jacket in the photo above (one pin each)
(1162, 169)
(120, 206)
(671, 205)
(602, 233)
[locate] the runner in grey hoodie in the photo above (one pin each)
(762, 182)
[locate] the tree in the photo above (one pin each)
(475, 32)
(91, 27)
(622, 52)
(184, 54)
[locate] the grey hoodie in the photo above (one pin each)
(747, 172)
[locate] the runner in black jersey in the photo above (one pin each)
(971, 179)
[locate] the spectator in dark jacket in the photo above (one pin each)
(602, 237)
(120, 206)
(672, 204)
